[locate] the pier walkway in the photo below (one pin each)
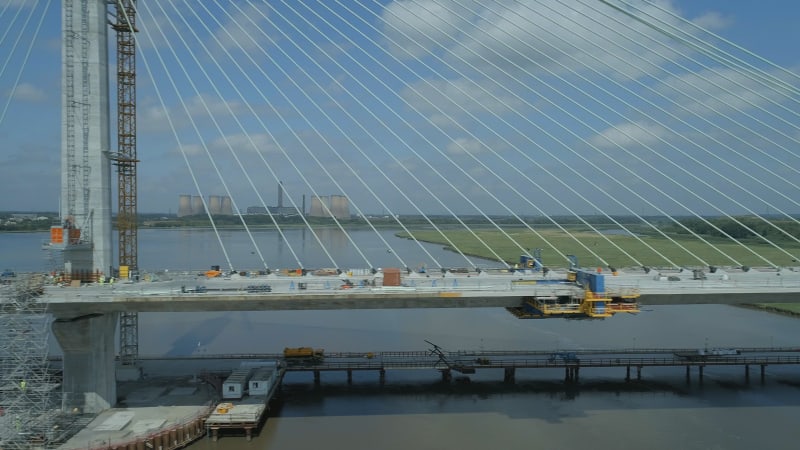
(468, 362)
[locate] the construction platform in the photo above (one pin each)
(159, 413)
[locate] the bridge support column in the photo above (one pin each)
(763, 368)
(447, 375)
(349, 376)
(639, 373)
(747, 373)
(509, 375)
(627, 373)
(90, 383)
(571, 374)
(316, 378)
(382, 376)
(688, 375)
(700, 371)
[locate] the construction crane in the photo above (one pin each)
(124, 23)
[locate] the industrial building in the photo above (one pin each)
(279, 210)
(337, 206)
(191, 205)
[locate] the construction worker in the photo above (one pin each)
(23, 385)
(101, 279)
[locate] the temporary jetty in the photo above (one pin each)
(248, 412)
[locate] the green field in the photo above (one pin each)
(613, 250)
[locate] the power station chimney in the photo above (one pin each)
(280, 194)
(303, 212)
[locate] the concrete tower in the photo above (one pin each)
(214, 205)
(227, 206)
(317, 208)
(184, 205)
(86, 170)
(87, 341)
(340, 206)
(197, 205)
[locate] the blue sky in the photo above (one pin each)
(466, 106)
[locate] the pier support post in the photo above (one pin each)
(248, 434)
(382, 376)
(87, 342)
(349, 376)
(763, 367)
(639, 373)
(747, 373)
(509, 375)
(688, 375)
(577, 372)
(446, 375)
(700, 370)
(316, 378)
(627, 373)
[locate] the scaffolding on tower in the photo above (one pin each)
(125, 160)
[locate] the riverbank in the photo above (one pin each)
(785, 309)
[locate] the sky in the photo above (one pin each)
(521, 107)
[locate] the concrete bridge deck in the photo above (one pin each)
(176, 292)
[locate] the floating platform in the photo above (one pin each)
(247, 413)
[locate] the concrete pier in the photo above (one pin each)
(87, 342)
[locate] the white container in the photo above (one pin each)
(235, 385)
(261, 381)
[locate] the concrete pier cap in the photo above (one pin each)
(87, 342)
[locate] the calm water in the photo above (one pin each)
(413, 410)
(199, 249)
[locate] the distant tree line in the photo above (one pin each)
(747, 227)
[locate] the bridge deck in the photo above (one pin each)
(192, 292)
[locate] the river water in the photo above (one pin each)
(414, 410)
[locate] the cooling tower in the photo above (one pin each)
(184, 205)
(340, 206)
(317, 210)
(197, 205)
(227, 206)
(214, 205)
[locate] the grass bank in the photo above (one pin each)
(615, 250)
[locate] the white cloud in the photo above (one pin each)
(721, 91)
(191, 149)
(27, 92)
(713, 21)
(244, 29)
(497, 43)
(415, 28)
(260, 143)
(632, 134)
(528, 35)
(199, 107)
(461, 146)
(447, 101)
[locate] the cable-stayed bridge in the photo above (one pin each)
(621, 132)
